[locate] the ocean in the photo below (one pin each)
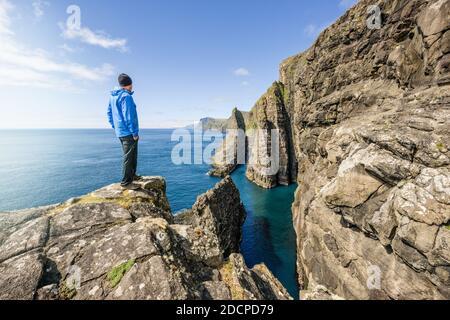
(42, 167)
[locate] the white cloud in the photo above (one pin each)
(5, 21)
(22, 77)
(38, 60)
(22, 66)
(66, 50)
(245, 83)
(65, 47)
(346, 4)
(97, 38)
(38, 8)
(241, 72)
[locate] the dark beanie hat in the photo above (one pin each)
(125, 80)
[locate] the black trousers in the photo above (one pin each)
(130, 159)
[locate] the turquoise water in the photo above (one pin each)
(41, 167)
(269, 235)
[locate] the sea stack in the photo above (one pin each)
(364, 121)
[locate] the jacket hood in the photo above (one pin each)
(119, 91)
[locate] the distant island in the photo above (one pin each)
(214, 124)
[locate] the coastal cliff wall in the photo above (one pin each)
(254, 142)
(268, 114)
(227, 156)
(127, 245)
(371, 119)
(364, 116)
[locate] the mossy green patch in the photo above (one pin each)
(286, 95)
(251, 125)
(115, 275)
(441, 146)
(274, 93)
(57, 210)
(91, 199)
(66, 292)
(125, 202)
(289, 65)
(237, 293)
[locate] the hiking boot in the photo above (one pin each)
(131, 186)
(138, 178)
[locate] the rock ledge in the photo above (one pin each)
(121, 245)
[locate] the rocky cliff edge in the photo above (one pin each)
(364, 121)
(120, 245)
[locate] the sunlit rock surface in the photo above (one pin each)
(120, 245)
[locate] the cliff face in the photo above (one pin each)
(269, 114)
(115, 244)
(253, 144)
(233, 149)
(364, 120)
(371, 119)
(210, 124)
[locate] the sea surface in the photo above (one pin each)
(42, 167)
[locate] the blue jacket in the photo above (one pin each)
(122, 114)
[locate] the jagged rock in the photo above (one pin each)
(221, 125)
(215, 223)
(216, 290)
(30, 236)
(50, 292)
(125, 245)
(254, 145)
(269, 114)
(434, 18)
(319, 293)
(440, 255)
(418, 235)
(370, 112)
(364, 118)
(15, 221)
(232, 152)
(20, 276)
(350, 188)
(251, 284)
(84, 217)
(151, 280)
(210, 124)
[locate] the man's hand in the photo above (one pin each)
(136, 138)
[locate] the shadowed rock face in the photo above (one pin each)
(254, 142)
(269, 114)
(115, 244)
(364, 116)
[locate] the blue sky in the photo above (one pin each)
(189, 58)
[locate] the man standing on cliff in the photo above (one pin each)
(122, 116)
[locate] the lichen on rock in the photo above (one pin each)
(364, 118)
(123, 245)
(370, 112)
